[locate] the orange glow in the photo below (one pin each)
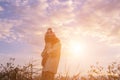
(76, 48)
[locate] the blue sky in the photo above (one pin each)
(92, 23)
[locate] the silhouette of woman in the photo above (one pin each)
(50, 55)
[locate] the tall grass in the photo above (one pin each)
(10, 71)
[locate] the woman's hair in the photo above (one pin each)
(49, 30)
(48, 35)
(51, 37)
(54, 40)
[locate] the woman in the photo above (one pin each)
(52, 55)
(48, 36)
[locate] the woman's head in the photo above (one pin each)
(49, 30)
(49, 35)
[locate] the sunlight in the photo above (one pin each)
(76, 48)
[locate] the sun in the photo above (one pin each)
(76, 48)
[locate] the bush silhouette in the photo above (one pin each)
(10, 71)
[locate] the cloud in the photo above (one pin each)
(101, 19)
(7, 33)
(97, 19)
(1, 9)
(5, 29)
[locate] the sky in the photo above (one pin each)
(92, 24)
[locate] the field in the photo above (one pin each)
(9, 71)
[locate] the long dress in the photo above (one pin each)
(51, 56)
(50, 68)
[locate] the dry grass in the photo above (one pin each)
(9, 71)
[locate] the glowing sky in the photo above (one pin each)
(93, 23)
